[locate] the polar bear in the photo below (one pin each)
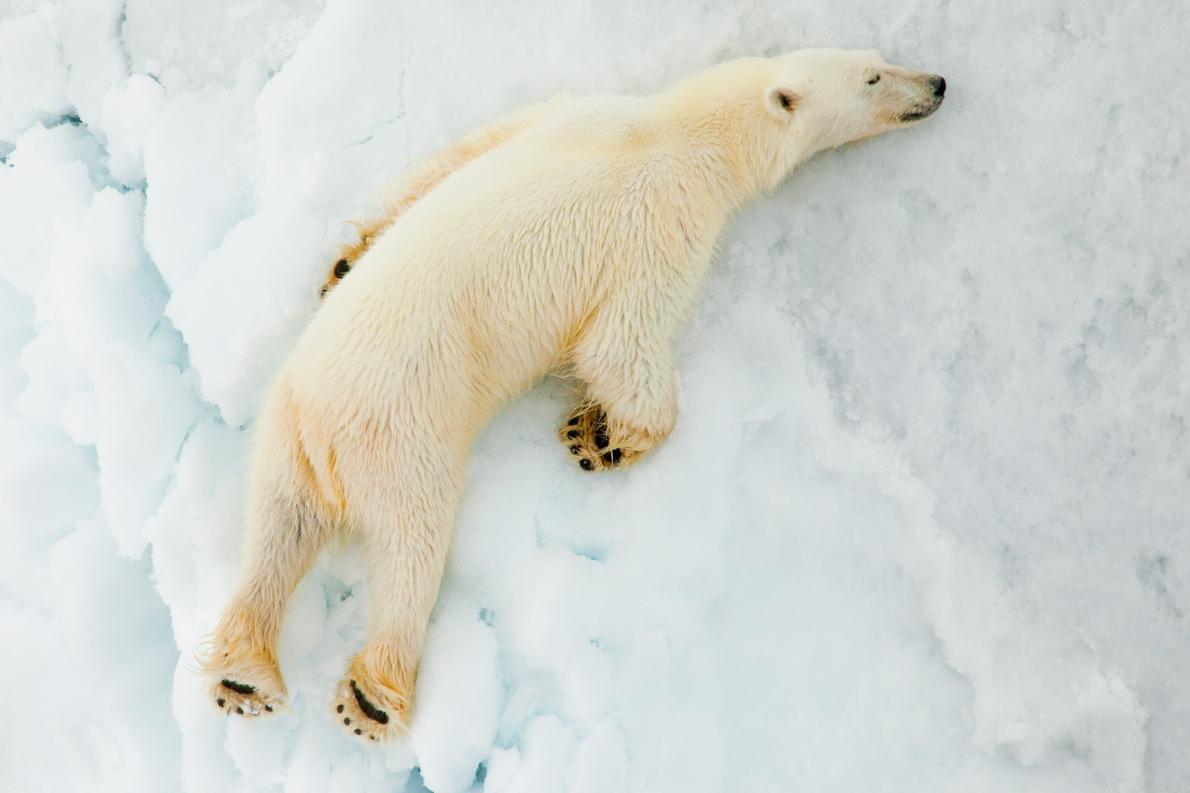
(572, 235)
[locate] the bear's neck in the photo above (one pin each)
(745, 151)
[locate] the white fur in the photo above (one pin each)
(575, 237)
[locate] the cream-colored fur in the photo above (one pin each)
(409, 189)
(574, 235)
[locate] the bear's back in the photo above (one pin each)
(495, 271)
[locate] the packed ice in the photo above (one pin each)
(923, 524)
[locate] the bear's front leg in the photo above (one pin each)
(411, 188)
(631, 407)
(368, 232)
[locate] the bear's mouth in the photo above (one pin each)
(918, 115)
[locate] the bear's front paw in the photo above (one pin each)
(585, 434)
(336, 274)
(348, 255)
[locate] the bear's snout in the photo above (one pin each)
(928, 92)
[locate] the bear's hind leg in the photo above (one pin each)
(406, 543)
(288, 524)
(241, 658)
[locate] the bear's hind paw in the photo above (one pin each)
(234, 695)
(360, 712)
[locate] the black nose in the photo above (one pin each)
(939, 84)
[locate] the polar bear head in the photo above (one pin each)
(828, 97)
(774, 113)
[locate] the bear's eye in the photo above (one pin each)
(874, 79)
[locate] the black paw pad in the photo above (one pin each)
(371, 711)
(239, 688)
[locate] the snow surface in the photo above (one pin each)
(922, 525)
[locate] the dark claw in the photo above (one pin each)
(219, 702)
(585, 464)
(342, 268)
(574, 450)
(339, 709)
(613, 456)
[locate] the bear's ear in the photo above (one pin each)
(781, 101)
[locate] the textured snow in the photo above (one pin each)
(923, 524)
